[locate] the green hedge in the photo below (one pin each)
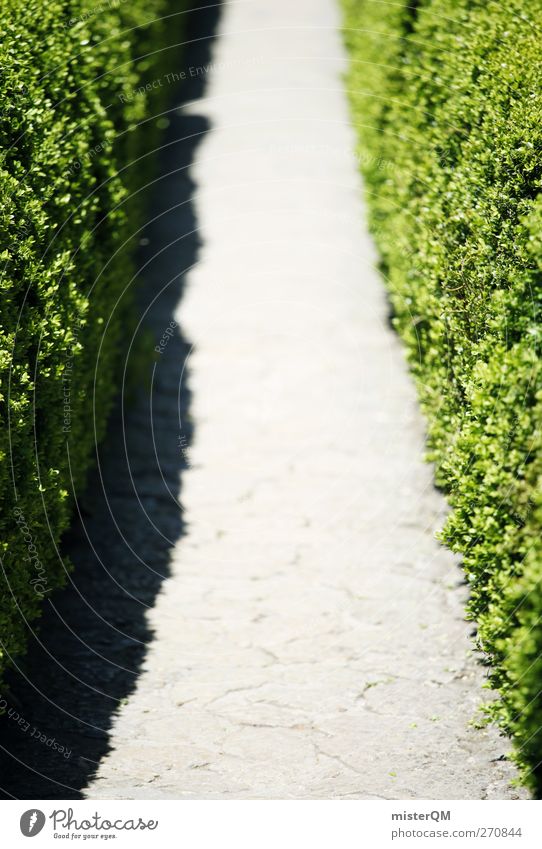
(69, 131)
(447, 101)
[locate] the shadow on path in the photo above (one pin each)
(94, 634)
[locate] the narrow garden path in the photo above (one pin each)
(308, 641)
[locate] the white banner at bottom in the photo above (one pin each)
(256, 824)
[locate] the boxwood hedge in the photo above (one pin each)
(70, 127)
(447, 100)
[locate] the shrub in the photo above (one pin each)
(447, 100)
(67, 138)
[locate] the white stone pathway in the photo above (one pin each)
(309, 642)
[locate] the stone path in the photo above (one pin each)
(309, 641)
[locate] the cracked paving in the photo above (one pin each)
(309, 641)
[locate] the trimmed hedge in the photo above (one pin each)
(447, 100)
(66, 148)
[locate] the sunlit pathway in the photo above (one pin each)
(309, 642)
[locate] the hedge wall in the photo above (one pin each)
(447, 100)
(66, 147)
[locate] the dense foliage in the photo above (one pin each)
(447, 100)
(72, 125)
